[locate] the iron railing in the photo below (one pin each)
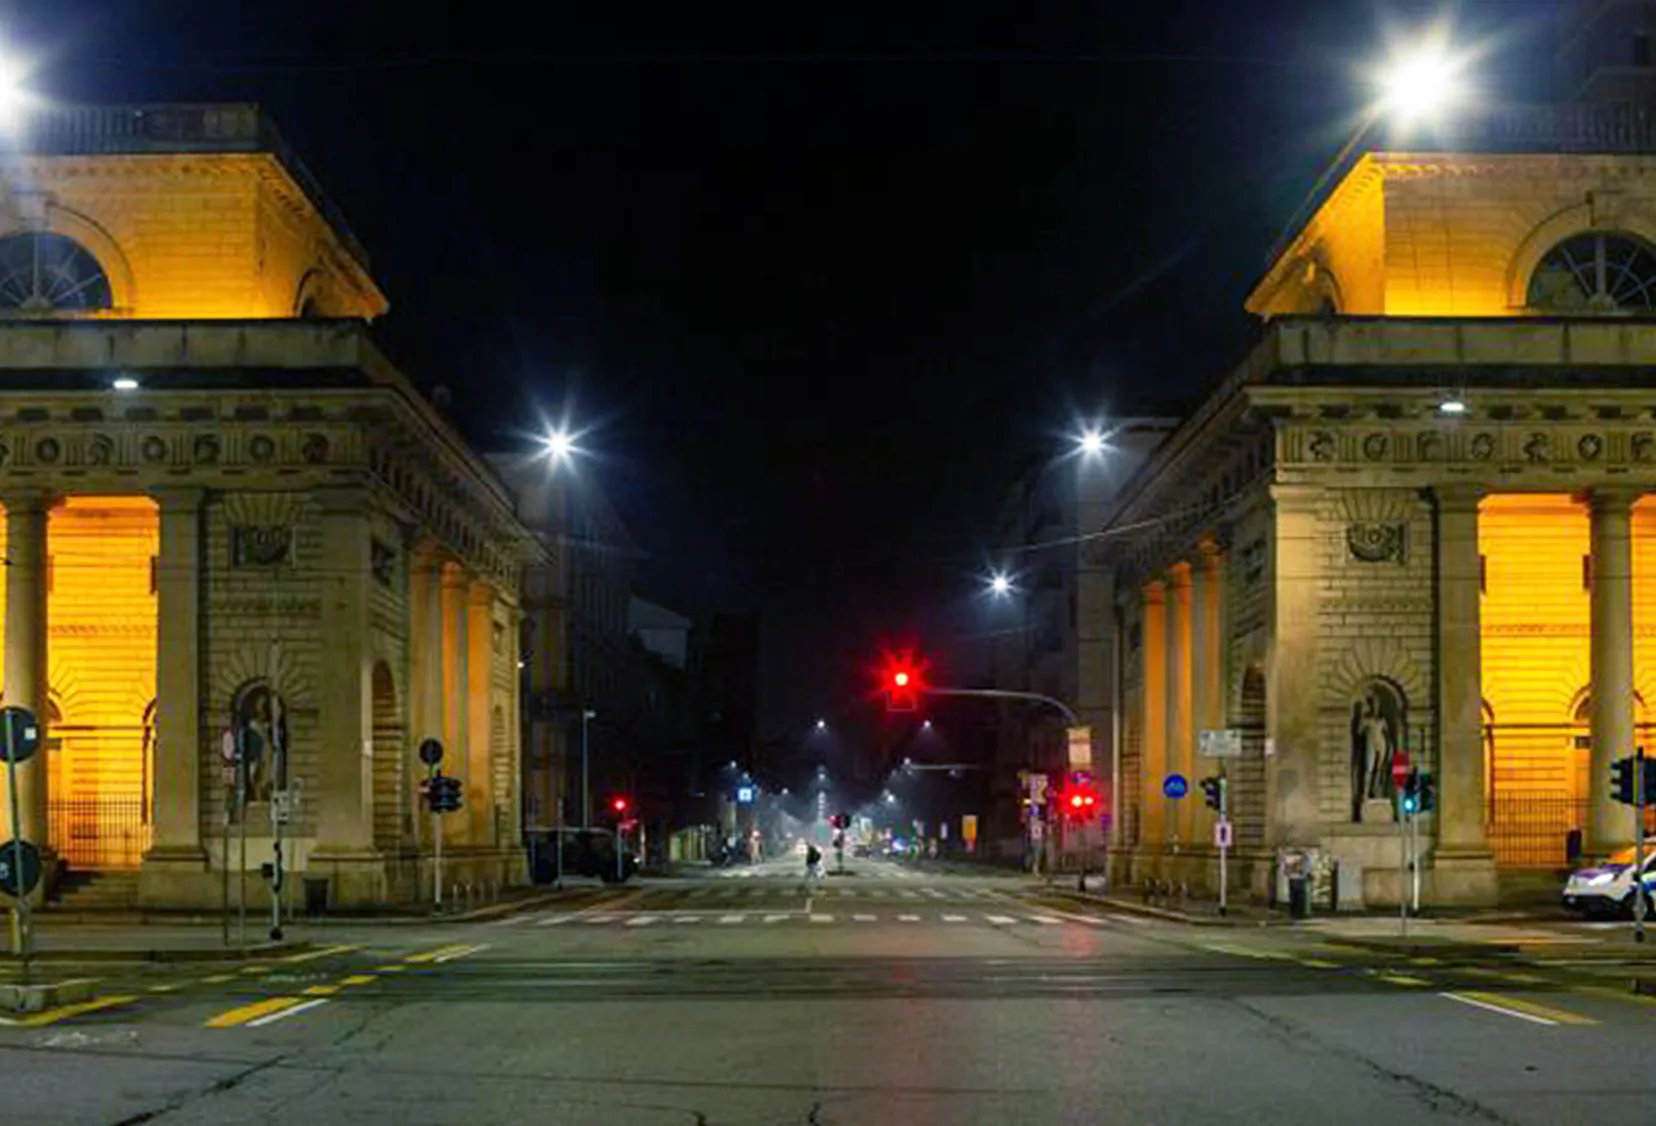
(99, 833)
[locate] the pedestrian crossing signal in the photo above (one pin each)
(1621, 781)
(442, 793)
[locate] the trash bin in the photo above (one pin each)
(316, 896)
(1299, 897)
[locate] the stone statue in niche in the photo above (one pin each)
(260, 729)
(1379, 729)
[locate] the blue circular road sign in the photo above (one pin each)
(19, 858)
(20, 737)
(1175, 786)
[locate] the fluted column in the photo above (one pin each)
(177, 789)
(1292, 719)
(1181, 753)
(1153, 718)
(25, 641)
(345, 821)
(456, 687)
(1207, 669)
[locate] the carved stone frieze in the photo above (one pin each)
(1378, 542)
(1376, 446)
(261, 545)
(1538, 447)
(1482, 447)
(1590, 447)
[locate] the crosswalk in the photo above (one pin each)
(639, 919)
(725, 893)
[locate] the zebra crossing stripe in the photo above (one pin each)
(954, 918)
(682, 919)
(642, 921)
(1001, 920)
(774, 918)
(863, 918)
(1045, 920)
(728, 919)
(821, 918)
(908, 918)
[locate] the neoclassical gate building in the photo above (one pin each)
(226, 512)
(1422, 515)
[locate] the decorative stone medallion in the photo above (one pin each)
(1537, 448)
(1590, 447)
(1643, 446)
(1375, 446)
(100, 450)
(47, 451)
(261, 545)
(262, 447)
(1429, 446)
(315, 449)
(1378, 542)
(1322, 446)
(1483, 446)
(154, 448)
(206, 450)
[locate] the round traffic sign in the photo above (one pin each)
(431, 752)
(16, 856)
(19, 734)
(1175, 786)
(1400, 767)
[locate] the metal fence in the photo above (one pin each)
(1538, 831)
(99, 832)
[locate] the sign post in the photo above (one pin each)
(1222, 838)
(431, 753)
(20, 862)
(1175, 787)
(1640, 765)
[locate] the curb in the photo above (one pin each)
(1426, 944)
(1128, 907)
(195, 919)
(29, 999)
(161, 954)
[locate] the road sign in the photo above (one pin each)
(15, 855)
(21, 737)
(1175, 786)
(1400, 766)
(1220, 744)
(968, 827)
(1222, 834)
(1080, 748)
(744, 795)
(431, 752)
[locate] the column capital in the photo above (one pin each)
(1457, 496)
(1297, 498)
(1618, 499)
(1178, 575)
(27, 499)
(456, 578)
(178, 498)
(1155, 593)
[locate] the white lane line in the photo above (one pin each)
(643, 921)
(821, 918)
(774, 918)
(283, 1014)
(1044, 920)
(683, 919)
(728, 919)
(554, 920)
(1001, 920)
(463, 952)
(908, 918)
(1494, 1008)
(863, 918)
(596, 920)
(954, 918)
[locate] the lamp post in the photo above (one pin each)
(587, 715)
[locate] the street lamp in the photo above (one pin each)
(1091, 442)
(1000, 584)
(560, 446)
(822, 725)
(1421, 84)
(587, 716)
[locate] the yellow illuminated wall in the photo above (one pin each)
(101, 619)
(1410, 234)
(211, 235)
(1537, 662)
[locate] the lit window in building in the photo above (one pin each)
(47, 273)
(1595, 272)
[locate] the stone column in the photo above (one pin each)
(1293, 811)
(1609, 824)
(1180, 731)
(1463, 868)
(1207, 674)
(456, 689)
(25, 669)
(480, 795)
(177, 799)
(1153, 719)
(345, 820)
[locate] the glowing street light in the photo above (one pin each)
(1452, 405)
(999, 584)
(560, 446)
(822, 725)
(1091, 442)
(1422, 84)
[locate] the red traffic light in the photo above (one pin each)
(1079, 799)
(619, 805)
(902, 681)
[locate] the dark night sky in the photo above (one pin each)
(816, 274)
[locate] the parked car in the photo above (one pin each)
(1607, 889)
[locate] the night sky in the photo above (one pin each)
(815, 276)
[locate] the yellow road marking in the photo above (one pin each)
(1531, 1008)
(1402, 979)
(218, 979)
(64, 1012)
(254, 1011)
(1425, 961)
(164, 988)
(389, 969)
(433, 955)
(255, 969)
(322, 991)
(358, 979)
(1318, 963)
(1613, 994)
(312, 955)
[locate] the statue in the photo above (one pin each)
(1376, 725)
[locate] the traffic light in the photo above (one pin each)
(620, 807)
(442, 793)
(1649, 776)
(1621, 781)
(902, 682)
(1079, 801)
(1409, 797)
(1426, 792)
(1213, 793)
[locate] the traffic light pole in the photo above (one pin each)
(1224, 842)
(1639, 768)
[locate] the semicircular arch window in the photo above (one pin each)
(42, 272)
(1596, 272)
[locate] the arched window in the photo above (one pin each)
(47, 273)
(1596, 272)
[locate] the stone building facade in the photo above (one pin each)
(231, 522)
(1417, 517)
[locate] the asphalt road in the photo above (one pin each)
(882, 996)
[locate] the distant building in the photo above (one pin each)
(578, 657)
(660, 630)
(1049, 636)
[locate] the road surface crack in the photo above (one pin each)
(219, 1087)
